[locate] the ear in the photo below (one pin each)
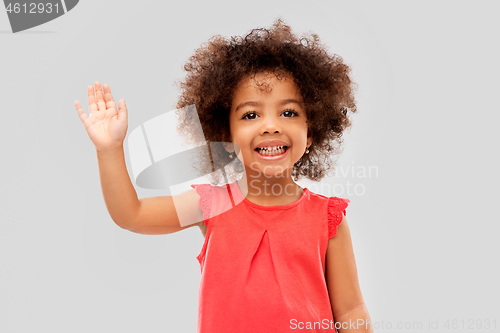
(309, 139)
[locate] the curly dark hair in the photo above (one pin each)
(218, 66)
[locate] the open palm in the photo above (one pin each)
(106, 126)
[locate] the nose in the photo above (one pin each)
(270, 124)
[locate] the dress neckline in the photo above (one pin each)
(239, 197)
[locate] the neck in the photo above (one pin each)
(269, 190)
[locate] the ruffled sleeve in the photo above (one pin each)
(205, 193)
(336, 207)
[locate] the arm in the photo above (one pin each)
(346, 299)
(149, 216)
(107, 127)
(163, 215)
(117, 189)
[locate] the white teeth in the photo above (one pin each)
(271, 148)
(271, 151)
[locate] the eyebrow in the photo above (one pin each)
(283, 102)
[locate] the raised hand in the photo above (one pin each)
(106, 126)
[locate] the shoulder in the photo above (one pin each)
(335, 209)
(336, 214)
(208, 188)
(334, 204)
(205, 195)
(187, 207)
(209, 199)
(208, 192)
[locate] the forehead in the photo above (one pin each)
(266, 85)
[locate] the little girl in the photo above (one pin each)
(276, 257)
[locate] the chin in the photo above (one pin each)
(277, 171)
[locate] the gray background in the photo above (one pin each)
(424, 231)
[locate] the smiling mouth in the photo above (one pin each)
(271, 151)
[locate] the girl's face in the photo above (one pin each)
(267, 112)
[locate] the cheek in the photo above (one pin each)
(301, 131)
(241, 133)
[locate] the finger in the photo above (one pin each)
(91, 97)
(122, 109)
(81, 113)
(108, 97)
(100, 96)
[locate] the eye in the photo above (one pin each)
(247, 114)
(290, 111)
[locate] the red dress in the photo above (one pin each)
(263, 267)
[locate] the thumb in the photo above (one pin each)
(122, 109)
